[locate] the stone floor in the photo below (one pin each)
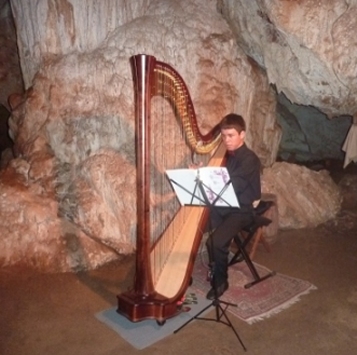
(54, 314)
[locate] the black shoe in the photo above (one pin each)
(221, 289)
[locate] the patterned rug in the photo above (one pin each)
(262, 300)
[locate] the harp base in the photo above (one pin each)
(137, 307)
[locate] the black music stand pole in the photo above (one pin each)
(216, 302)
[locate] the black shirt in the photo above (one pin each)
(243, 166)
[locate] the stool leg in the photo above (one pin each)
(237, 257)
(259, 238)
(265, 243)
(241, 246)
(256, 240)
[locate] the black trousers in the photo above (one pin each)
(225, 223)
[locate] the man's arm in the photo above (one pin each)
(245, 178)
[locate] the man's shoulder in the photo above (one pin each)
(246, 155)
(250, 153)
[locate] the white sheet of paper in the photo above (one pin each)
(350, 144)
(214, 183)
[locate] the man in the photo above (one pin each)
(243, 166)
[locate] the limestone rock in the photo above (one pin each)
(33, 235)
(104, 200)
(307, 47)
(74, 132)
(64, 27)
(348, 186)
(74, 128)
(305, 198)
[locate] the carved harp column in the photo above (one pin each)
(163, 268)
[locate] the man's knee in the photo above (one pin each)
(216, 242)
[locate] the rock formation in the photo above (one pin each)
(307, 47)
(73, 176)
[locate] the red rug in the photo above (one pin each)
(262, 300)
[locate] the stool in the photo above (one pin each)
(253, 231)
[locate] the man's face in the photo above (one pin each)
(232, 139)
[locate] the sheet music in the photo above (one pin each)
(214, 182)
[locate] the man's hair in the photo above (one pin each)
(233, 120)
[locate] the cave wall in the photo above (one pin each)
(308, 134)
(10, 72)
(73, 174)
(308, 48)
(51, 29)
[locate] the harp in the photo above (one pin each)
(163, 267)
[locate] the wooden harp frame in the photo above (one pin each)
(158, 299)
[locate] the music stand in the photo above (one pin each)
(207, 194)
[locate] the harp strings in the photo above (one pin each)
(169, 151)
(173, 136)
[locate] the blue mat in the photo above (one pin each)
(147, 332)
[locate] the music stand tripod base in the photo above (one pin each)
(217, 303)
(219, 313)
